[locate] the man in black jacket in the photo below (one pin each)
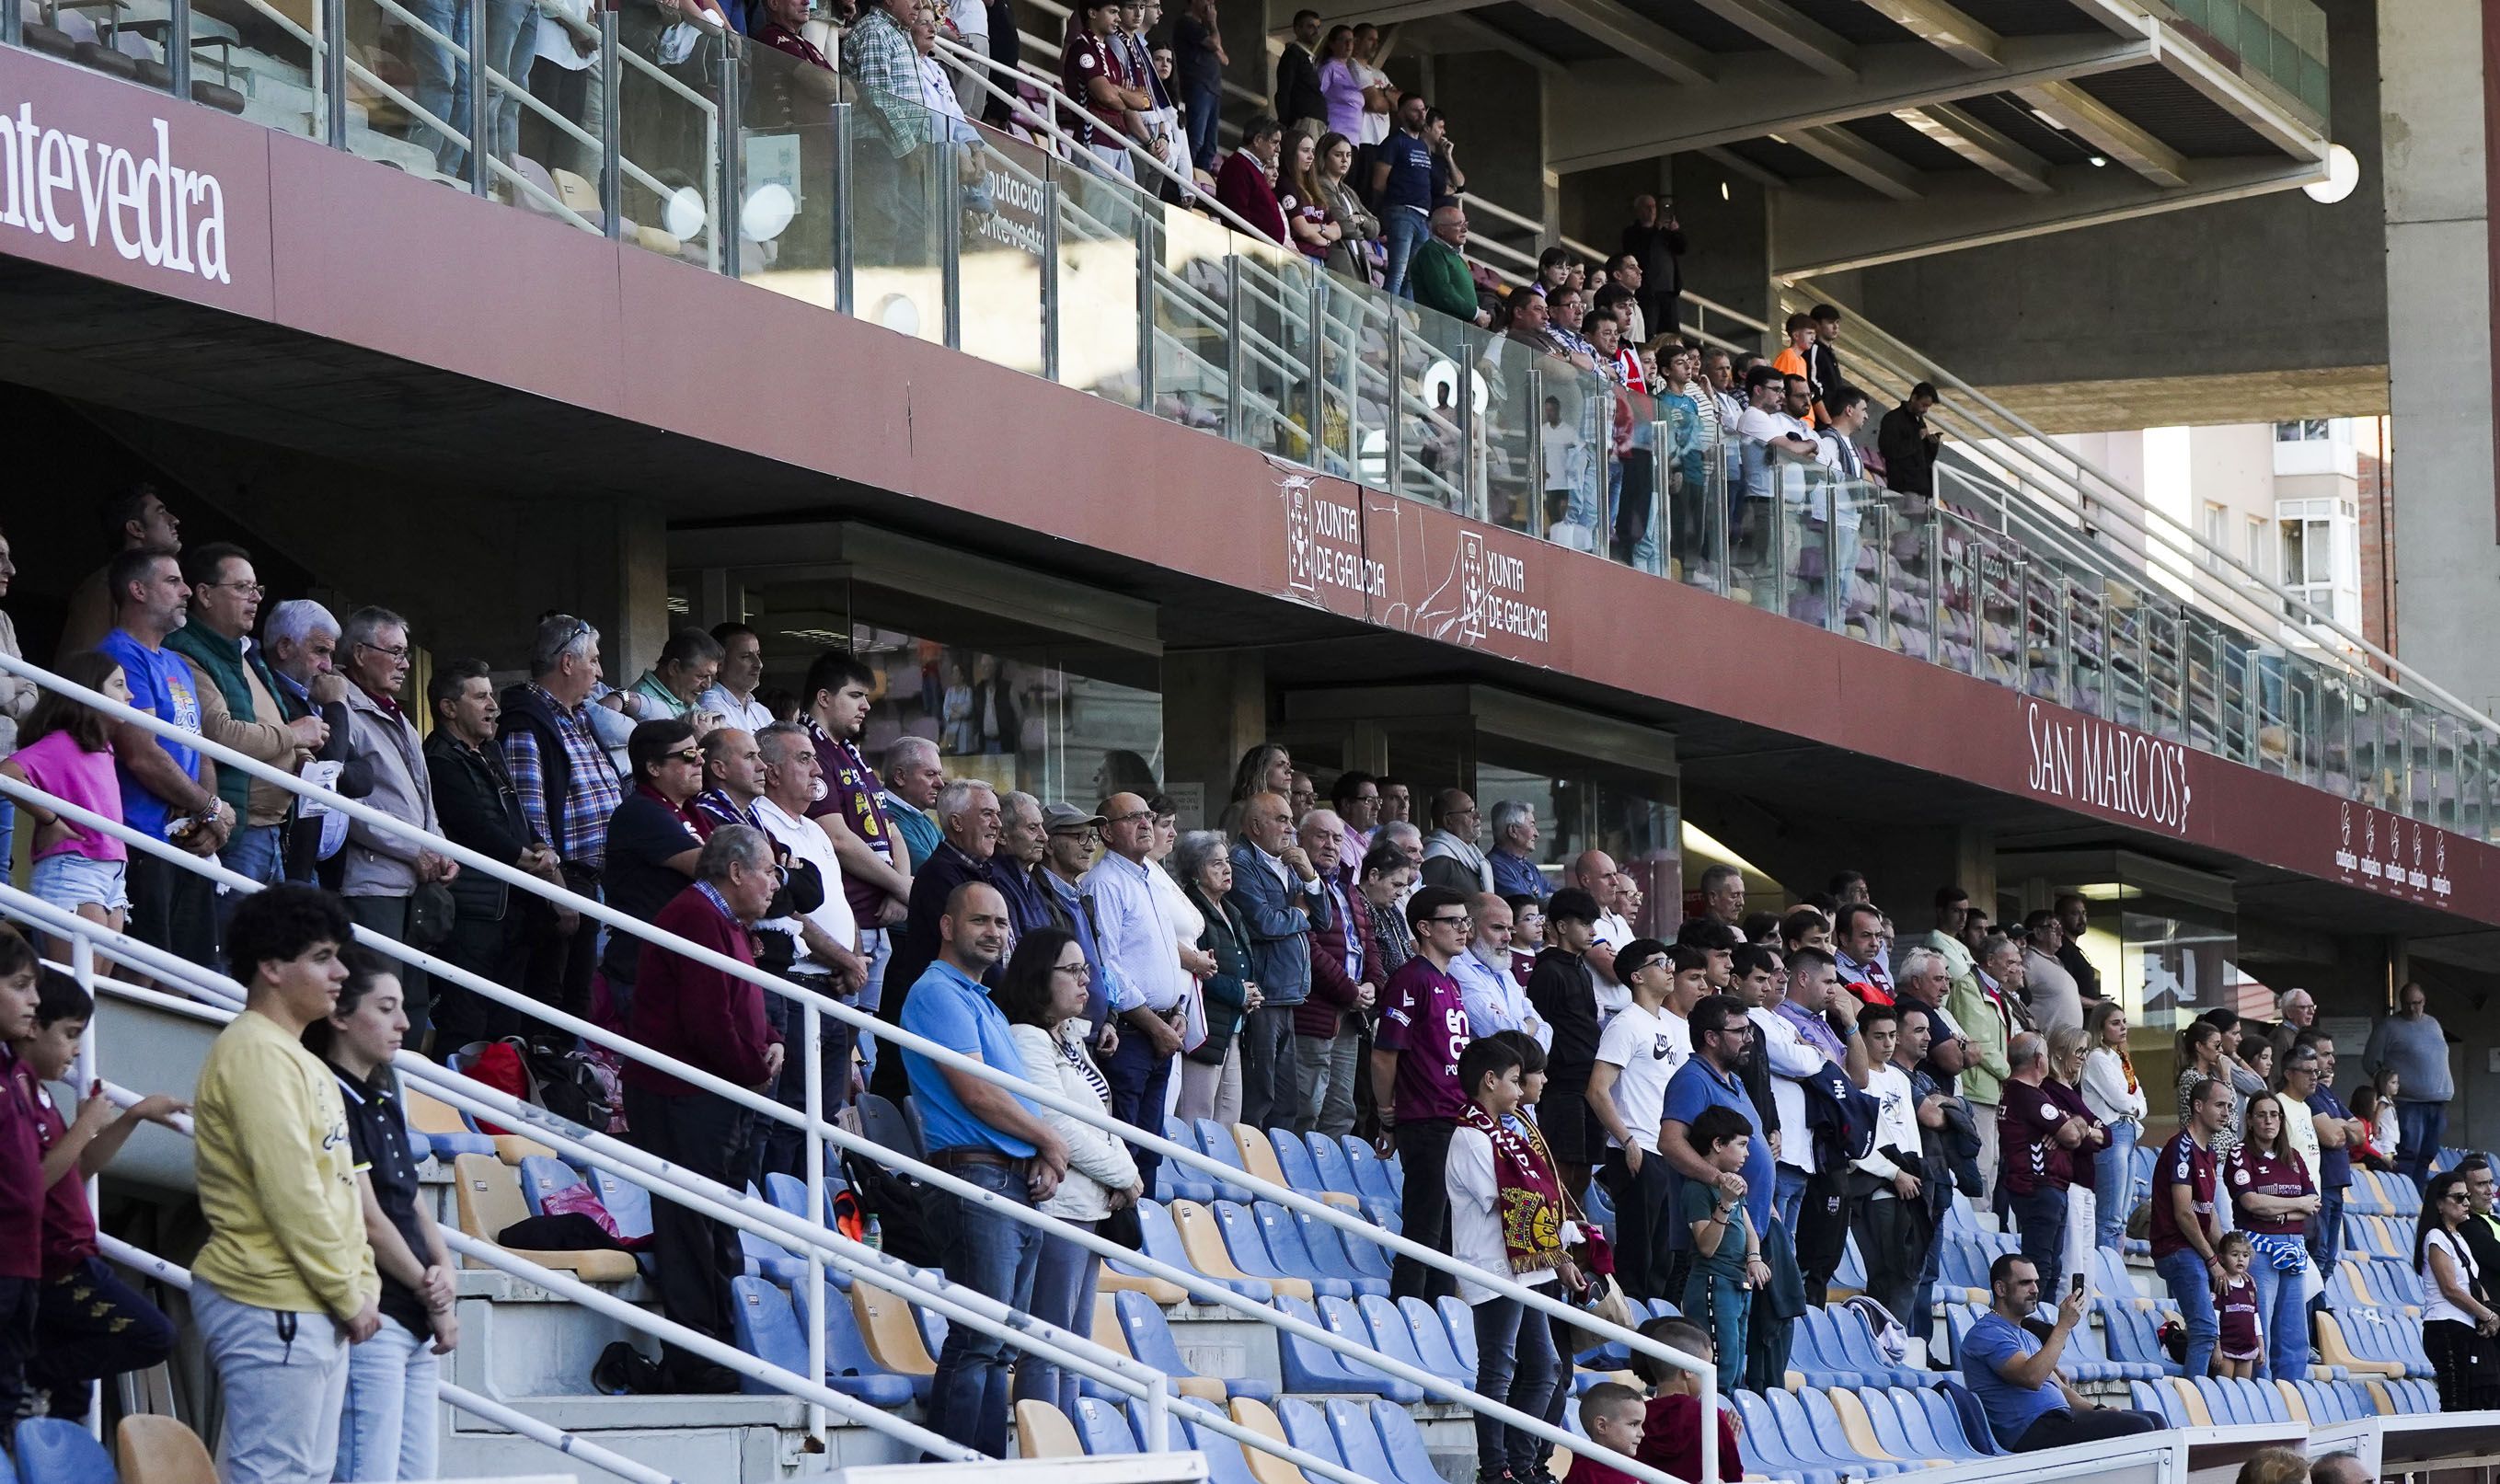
(475, 801)
(1298, 75)
(1909, 446)
(1564, 992)
(300, 640)
(1657, 238)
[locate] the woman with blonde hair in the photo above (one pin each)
(2115, 1097)
(2064, 1087)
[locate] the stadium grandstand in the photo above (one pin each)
(1434, 741)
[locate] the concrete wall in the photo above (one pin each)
(2277, 283)
(2439, 333)
(1497, 111)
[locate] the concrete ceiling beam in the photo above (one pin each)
(1957, 129)
(1943, 27)
(1885, 174)
(1644, 41)
(2108, 131)
(1780, 27)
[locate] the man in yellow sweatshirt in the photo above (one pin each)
(287, 1282)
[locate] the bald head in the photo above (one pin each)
(1593, 871)
(973, 932)
(1494, 924)
(1269, 820)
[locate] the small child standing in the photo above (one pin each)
(1672, 1434)
(1613, 1415)
(21, 1184)
(2242, 1344)
(88, 1324)
(1726, 1252)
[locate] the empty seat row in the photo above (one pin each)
(1342, 1171)
(1821, 1436)
(1836, 1347)
(1378, 1440)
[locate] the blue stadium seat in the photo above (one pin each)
(1358, 1442)
(1342, 1252)
(541, 1177)
(55, 1450)
(1372, 1175)
(1767, 1448)
(1884, 1415)
(2156, 1398)
(882, 1122)
(1378, 1323)
(1215, 1141)
(1953, 1429)
(1460, 1325)
(1150, 1340)
(1293, 1251)
(1432, 1334)
(1337, 1174)
(1247, 1244)
(1302, 1172)
(2221, 1401)
(763, 1327)
(1311, 1369)
(1852, 1271)
(788, 1195)
(1919, 1422)
(630, 1204)
(1401, 1440)
(1962, 1267)
(850, 1368)
(1307, 1430)
(767, 1259)
(1974, 1417)
(1852, 1327)
(1225, 1464)
(1102, 1428)
(2133, 1336)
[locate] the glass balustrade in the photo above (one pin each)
(746, 160)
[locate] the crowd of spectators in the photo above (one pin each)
(1377, 958)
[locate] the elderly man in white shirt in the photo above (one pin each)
(1493, 998)
(1135, 935)
(825, 952)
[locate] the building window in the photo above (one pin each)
(2252, 545)
(2305, 430)
(2216, 520)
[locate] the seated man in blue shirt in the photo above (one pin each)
(982, 1133)
(2015, 1374)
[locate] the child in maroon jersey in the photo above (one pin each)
(2235, 1307)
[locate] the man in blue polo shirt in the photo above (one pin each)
(168, 790)
(2015, 1374)
(986, 1136)
(1719, 1029)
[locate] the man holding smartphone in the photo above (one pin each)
(2014, 1373)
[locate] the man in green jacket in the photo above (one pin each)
(1439, 272)
(244, 707)
(1987, 1006)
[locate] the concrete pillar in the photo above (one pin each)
(1495, 111)
(1726, 221)
(2434, 128)
(1215, 708)
(639, 622)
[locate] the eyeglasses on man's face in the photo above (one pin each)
(1440, 921)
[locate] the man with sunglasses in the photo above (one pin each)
(1415, 1077)
(653, 840)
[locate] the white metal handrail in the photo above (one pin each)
(2131, 508)
(891, 1035)
(635, 1166)
(571, 1444)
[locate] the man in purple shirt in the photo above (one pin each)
(1415, 1074)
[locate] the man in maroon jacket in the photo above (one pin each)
(1345, 973)
(715, 1022)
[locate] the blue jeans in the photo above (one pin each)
(255, 850)
(2041, 1219)
(2191, 1288)
(2327, 1234)
(2283, 1310)
(1139, 1083)
(996, 1255)
(389, 1426)
(1063, 1281)
(1517, 1363)
(1401, 232)
(8, 838)
(876, 945)
(442, 81)
(1788, 1193)
(2113, 1185)
(1204, 111)
(2419, 1128)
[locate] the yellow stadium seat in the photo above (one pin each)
(1163, 1291)
(489, 1200)
(1265, 1467)
(2191, 1401)
(2335, 1350)
(1042, 1430)
(893, 1334)
(160, 1450)
(1203, 1241)
(2292, 1402)
(1857, 1426)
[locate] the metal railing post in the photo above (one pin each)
(611, 152)
(330, 34)
(846, 228)
(1538, 519)
(1050, 278)
(12, 27)
(1394, 402)
(812, 1042)
(178, 46)
(731, 175)
(947, 201)
(1149, 257)
(1233, 333)
(482, 106)
(1315, 311)
(1836, 586)
(85, 1070)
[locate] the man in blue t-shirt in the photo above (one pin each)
(986, 1136)
(1402, 191)
(2014, 1373)
(1719, 1029)
(2312, 1079)
(168, 790)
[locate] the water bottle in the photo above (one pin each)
(876, 1235)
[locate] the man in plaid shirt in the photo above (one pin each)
(568, 788)
(896, 209)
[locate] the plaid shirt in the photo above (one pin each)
(880, 56)
(582, 834)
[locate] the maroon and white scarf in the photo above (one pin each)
(1531, 1200)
